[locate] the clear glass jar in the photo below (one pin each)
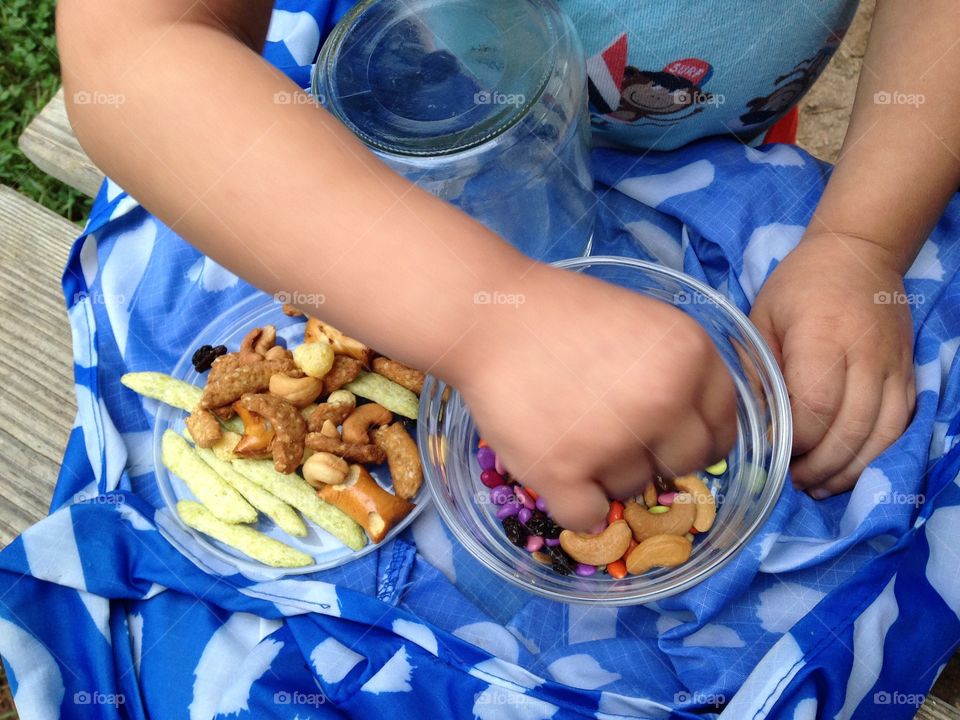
(481, 102)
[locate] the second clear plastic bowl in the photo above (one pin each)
(746, 494)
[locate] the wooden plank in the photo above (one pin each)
(37, 403)
(935, 709)
(50, 144)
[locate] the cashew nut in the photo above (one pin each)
(659, 551)
(356, 428)
(319, 331)
(599, 549)
(675, 521)
(291, 311)
(702, 499)
(259, 340)
(369, 453)
(401, 374)
(288, 424)
(402, 457)
(278, 352)
(324, 468)
(299, 392)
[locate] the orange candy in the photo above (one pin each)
(533, 495)
(617, 569)
(615, 513)
(482, 443)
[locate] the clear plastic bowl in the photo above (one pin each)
(746, 493)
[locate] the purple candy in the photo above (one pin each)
(541, 504)
(498, 466)
(502, 494)
(552, 542)
(491, 478)
(525, 499)
(507, 509)
(525, 514)
(486, 458)
(584, 570)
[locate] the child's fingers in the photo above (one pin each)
(622, 480)
(815, 373)
(854, 423)
(687, 449)
(894, 415)
(577, 506)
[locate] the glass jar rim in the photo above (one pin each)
(433, 140)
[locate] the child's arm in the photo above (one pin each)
(835, 309)
(584, 388)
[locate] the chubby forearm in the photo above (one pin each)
(900, 162)
(281, 194)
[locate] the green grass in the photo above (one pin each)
(29, 76)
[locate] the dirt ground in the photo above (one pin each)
(825, 111)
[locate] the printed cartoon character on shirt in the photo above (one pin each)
(791, 86)
(645, 97)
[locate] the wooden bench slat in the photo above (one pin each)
(50, 144)
(37, 403)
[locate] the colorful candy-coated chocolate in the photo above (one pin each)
(657, 509)
(552, 542)
(524, 515)
(584, 570)
(718, 468)
(534, 543)
(541, 504)
(525, 499)
(507, 510)
(491, 478)
(617, 570)
(486, 458)
(498, 465)
(482, 443)
(615, 512)
(667, 498)
(501, 494)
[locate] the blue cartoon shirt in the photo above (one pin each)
(662, 74)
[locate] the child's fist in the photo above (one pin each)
(587, 390)
(835, 315)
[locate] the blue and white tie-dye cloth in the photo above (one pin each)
(837, 609)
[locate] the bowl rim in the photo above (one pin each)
(781, 439)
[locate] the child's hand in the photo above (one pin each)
(586, 391)
(835, 313)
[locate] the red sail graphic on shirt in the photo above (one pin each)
(605, 73)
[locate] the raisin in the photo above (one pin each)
(543, 525)
(560, 561)
(515, 531)
(205, 355)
